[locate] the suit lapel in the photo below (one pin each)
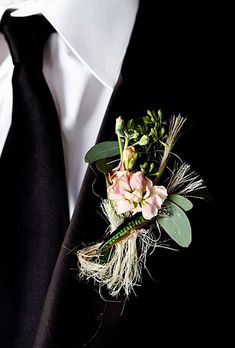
(67, 297)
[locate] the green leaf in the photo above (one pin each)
(176, 224)
(181, 201)
(102, 150)
(105, 165)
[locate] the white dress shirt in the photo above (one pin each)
(82, 62)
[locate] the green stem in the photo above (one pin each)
(106, 182)
(162, 164)
(126, 142)
(120, 147)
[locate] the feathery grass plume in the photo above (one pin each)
(184, 180)
(176, 123)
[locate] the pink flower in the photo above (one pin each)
(134, 192)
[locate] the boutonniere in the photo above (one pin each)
(148, 191)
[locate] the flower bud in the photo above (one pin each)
(129, 157)
(143, 167)
(144, 140)
(119, 125)
(151, 168)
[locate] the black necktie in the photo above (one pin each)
(33, 195)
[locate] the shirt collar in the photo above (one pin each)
(97, 31)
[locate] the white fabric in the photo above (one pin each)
(81, 65)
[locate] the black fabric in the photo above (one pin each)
(33, 194)
(168, 66)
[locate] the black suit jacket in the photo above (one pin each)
(166, 66)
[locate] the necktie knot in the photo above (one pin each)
(26, 37)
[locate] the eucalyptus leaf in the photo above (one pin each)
(176, 224)
(181, 201)
(102, 150)
(105, 166)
